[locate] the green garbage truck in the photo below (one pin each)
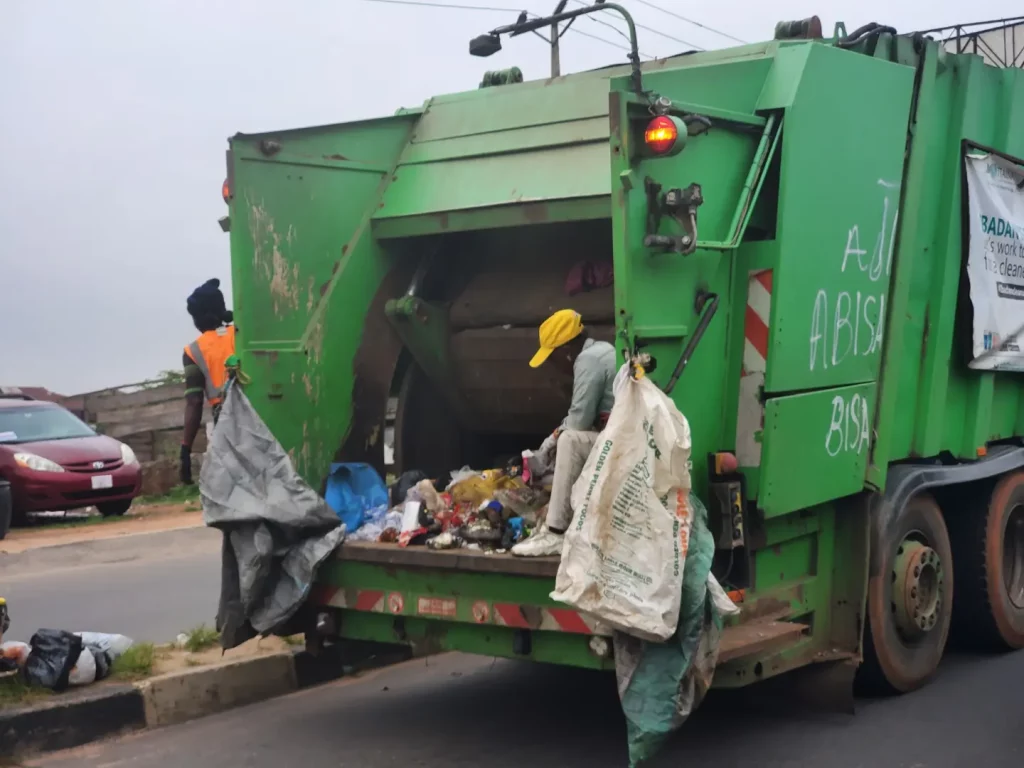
(814, 245)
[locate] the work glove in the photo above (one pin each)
(546, 452)
(543, 460)
(185, 468)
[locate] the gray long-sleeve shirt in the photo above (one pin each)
(592, 377)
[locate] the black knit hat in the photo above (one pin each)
(206, 305)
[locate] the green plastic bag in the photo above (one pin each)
(660, 684)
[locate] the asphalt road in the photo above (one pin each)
(460, 710)
(466, 711)
(149, 587)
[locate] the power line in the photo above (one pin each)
(639, 26)
(605, 40)
(610, 26)
(456, 6)
(690, 21)
(506, 9)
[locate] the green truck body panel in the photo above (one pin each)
(964, 101)
(832, 178)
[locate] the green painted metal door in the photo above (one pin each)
(305, 270)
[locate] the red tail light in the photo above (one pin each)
(226, 192)
(661, 134)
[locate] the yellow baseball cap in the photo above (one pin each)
(561, 328)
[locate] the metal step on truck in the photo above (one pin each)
(818, 240)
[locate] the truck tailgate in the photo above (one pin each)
(466, 560)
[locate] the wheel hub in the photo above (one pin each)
(917, 587)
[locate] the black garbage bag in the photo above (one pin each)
(53, 655)
(405, 483)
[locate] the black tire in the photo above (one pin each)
(6, 509)
(988, 609)
(114, 508)
(898, 659)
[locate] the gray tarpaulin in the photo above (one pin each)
(277, 529)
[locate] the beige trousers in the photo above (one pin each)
(570, 456)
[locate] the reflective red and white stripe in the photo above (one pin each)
(371, 600)
(450, 608)
(545, 619)
(750, 415)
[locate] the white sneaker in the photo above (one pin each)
(543, 543)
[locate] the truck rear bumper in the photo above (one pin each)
(499, 605)
(464, 600)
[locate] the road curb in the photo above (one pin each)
(90, 714)
(74, 719)
(181, 696)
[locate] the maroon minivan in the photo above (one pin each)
(54, 461)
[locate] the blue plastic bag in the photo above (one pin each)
(353, 490)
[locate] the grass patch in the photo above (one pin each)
(15, 692)
(135, 663)
(201, 638)
(180, 494)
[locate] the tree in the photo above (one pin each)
(165, 378)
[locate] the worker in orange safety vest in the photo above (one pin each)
(206, 374)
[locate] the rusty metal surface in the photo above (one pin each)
(757, 637)
(454, 560)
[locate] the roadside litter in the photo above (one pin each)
(57, 659)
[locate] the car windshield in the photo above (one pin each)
(33, 424)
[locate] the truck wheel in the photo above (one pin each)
(989, 544)
(910, 600)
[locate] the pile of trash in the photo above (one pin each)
(489, 510)
(56, 659)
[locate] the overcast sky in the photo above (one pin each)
(114, 116)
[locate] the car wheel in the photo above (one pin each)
(114, 508)
(6, 509)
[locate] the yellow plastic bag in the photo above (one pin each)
(474, 491)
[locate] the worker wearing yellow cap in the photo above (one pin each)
(565, 343)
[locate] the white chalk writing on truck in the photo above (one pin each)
(846, 324)
(849, 430)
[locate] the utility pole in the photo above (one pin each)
(556, 63)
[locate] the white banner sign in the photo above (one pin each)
(995, 262)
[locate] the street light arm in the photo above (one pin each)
(521, 28)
